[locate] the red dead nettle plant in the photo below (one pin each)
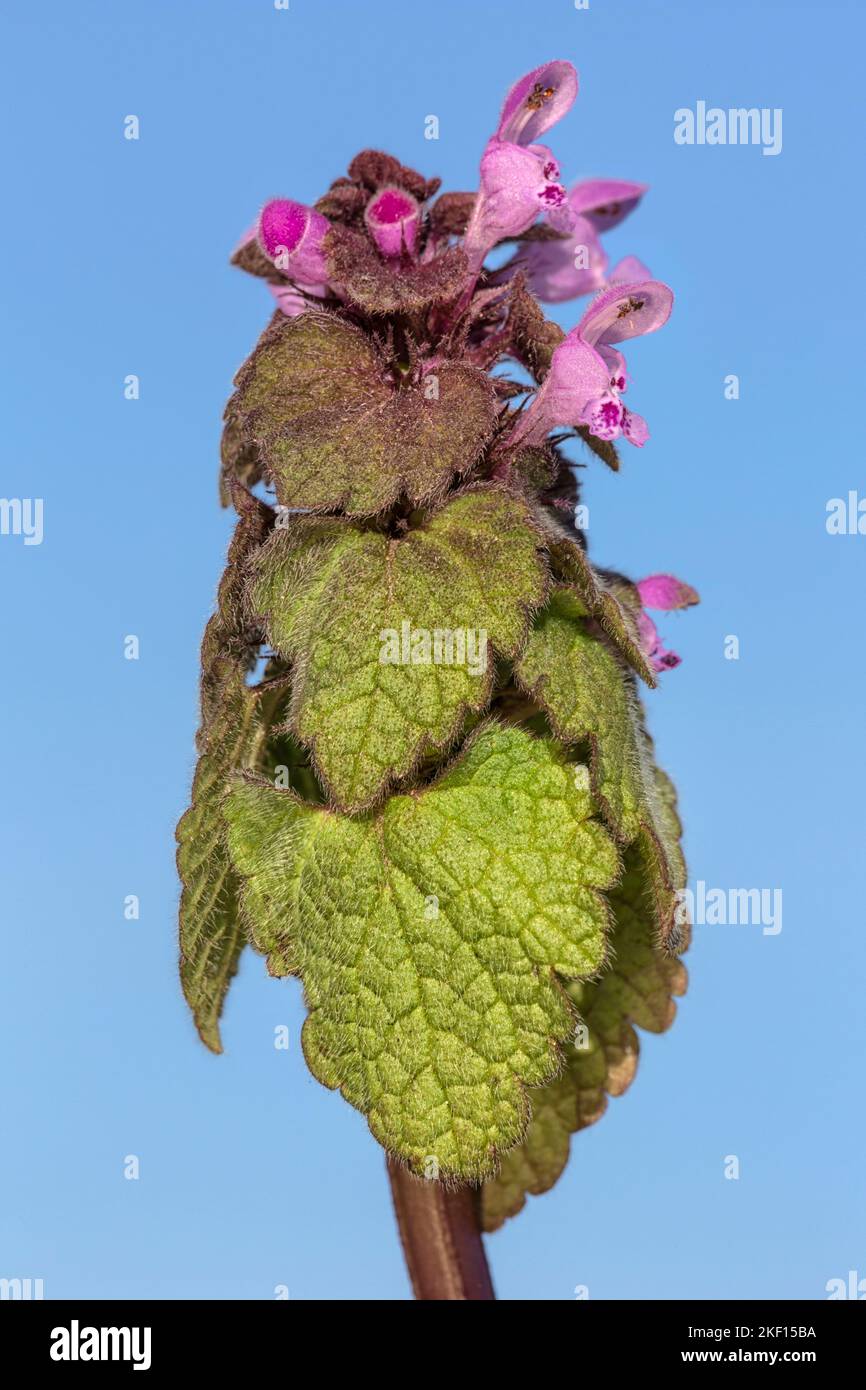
(436, 801)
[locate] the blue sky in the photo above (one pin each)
(251, 1174)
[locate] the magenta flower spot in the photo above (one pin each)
(587, 374)
(667, 593)
(393, 219)
(291, 235)
(553, 194)
(604, 415)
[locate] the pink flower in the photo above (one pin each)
(291, 235)
(605, 202)
(520, 178)
(536, 102)
(559, 270)
(588, 375)
(664, 592)
(393, 218)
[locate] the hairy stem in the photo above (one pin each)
(441, 1237)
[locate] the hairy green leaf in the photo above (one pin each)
(391, 639)
(637, 989)
(211, 935)
(335, 428)
(613, 603)
(427, 936)
(590, 698)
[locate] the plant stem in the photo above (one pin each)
(441, 1235)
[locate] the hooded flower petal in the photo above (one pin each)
(605, 202)
(627, 311)
(291, 235)
(393, 218)
(516, 185)
(666, 592)
(537, 101)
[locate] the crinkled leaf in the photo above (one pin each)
(576, 679)
(335, 598)
(241, 461)
(427, 935)
(610, 602)
(334, 430)
(669, 874)
(395, 285)
(637, 989)
(211, 936)
(450, 214)
(589, 697)
(343, 202)
(376, 169)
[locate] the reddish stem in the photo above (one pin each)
(441, 1235)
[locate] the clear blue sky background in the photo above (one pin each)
(115, 262)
